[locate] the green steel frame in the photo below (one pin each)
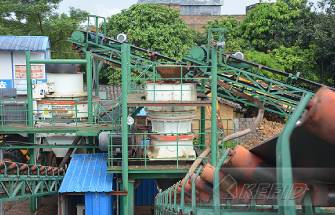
(26, 185)
(286, 206)
(137, 66)
(279, 98)
(20, 186)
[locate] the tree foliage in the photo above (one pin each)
(38, 17)
(268, 26)
(232, 33)
(153, 27)
(287, 35)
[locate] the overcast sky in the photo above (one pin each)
(109, 7)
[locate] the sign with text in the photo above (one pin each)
(37, 71)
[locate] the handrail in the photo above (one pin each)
(284, 162)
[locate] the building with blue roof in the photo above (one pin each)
(87, 177)
(12, 60)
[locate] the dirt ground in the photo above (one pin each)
(267, 129)
(48, 206)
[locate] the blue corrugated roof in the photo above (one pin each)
(87, 173)
(24, 43)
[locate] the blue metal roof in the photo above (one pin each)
(24, 43)
(87, 173)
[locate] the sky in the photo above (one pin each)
(109, 7)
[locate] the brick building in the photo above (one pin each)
(196, 13)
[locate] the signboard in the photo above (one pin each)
(4, 84)
(37, 76)
(37, 71)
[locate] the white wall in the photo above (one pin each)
(7, 68)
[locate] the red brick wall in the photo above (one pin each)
(198, 22)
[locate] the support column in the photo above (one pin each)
(214, 90)
(30, 118)
(125, 61)
(131, 194)
(89, 78)
(97, 68)
(202, 119)
(32, 154)
(30, 122)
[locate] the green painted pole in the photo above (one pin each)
(89, 78)
(214, 90)
(202, 119)
(32, 154)
(125, 66)
(131, 194)
(97, 30)
(29, 91)
(98, 67)
(30, 116)
(286, 205)
(59, 61)
(33, 204)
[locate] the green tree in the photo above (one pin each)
(38, 17)
(268, 26)
(295, 59)
(324, 34)
(233, 39)
(153, 27)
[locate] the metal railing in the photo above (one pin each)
(176, 200)
(74, 113)
(180, 152)
(21, 181)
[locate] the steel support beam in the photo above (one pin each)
(29, 91)
(20, 187)
(131, 194)
(59, 61)
(89, 78)
(125, 58)
(214, 91)
(202, 119)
